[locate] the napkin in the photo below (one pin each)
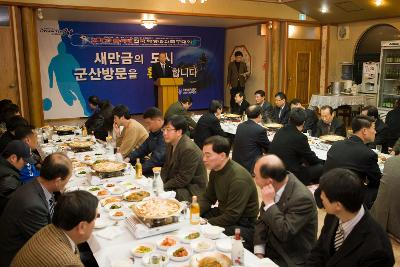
(168, 194)
(110, 233)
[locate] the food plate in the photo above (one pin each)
(273, 125)
(202, 245)
(211, 231)
(81, 171)
(224, 245)
(331, 138)
(114, 206)
(210, 259)
(143, 249)
(108, 200)
(64, 128)
(102, 193)
(189, 236)
(155, 259)
(136, 195)
(129, 186)
(118, 214)
(167, 241)
(117, 190)
(94, 189)
(101, 223)
(80, 144)
(157, 208)
(180, 253)
(230, 115)
(108, 166)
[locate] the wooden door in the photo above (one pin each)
(303, 69)
(8, 67)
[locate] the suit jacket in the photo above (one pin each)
(9, 181)
(234, 78)
(288, 229)
(366, 245)
(157, 71)
(49, 247)
(236, 109)
(337, 127)
(25, 214)
(251, 141)
(386, 208)
(311, 121)
(354, 155)
(184, 170)
(292, 147)
(392, 121)
(132, 136)
(177, 109)
(208, 125)
(266, 111)
(284, 117)
(381, 136)
(101, 122)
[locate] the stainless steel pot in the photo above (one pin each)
(336, 88)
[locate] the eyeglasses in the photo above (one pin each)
(167, 130)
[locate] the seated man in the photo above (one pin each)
(292, 147)
(31, 206)
(7, 110)
(181, 107)
(152, 152)
(386, 208)
(251, 139)
(208, 124)
(280, 113)
(311, 117)
(183, 170)
(329, 124)
(266, 107)
(232, 186)
(392, 121)
(12, 160)
(29, 137)
(56, 243)
(133, 134)
(350, 236)
(354, 155)
(240, 105)
(286, 230)
(381, 136)
(11, 124)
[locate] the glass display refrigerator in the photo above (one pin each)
(389, 84)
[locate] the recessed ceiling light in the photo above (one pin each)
(324, 9)
(378, 2)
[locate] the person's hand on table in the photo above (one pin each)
(268, 194)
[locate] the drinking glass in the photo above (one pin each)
(309, 133)
(379, 148)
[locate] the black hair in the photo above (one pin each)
(253, 111)
(14, 122)
(121, 111)
(94, 100)
(7, 153)
(295, 101)
(372, 111)
(343, 186)
(74, 207)
(23, 131)
(238, 53)
(9, 111)
(104, 104)
(240, 93)
(327, 107)
(297, 116)
(281, 95)
(214, 106)
(186, 99)
(219, 144)
(152, 113)
(260, 92)
(178, 122)
(275, 173)
(4, 103)
(361, 121)
(56, 165)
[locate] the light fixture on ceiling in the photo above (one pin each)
(378, 2)
(149, 23)
(192, 1)
(39, 13)
(324, 9)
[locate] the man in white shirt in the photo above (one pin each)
(350, 236)
(286, 230)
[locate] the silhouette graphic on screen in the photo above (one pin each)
(63, 65)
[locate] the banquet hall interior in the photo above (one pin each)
(66, 63)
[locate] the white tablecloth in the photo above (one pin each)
(336, 101)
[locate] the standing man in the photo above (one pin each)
(286, 230)
(329, 124)
(266, 107)
(234, 189)
(161, 69)
(237, 76)
(281, 109)
(350, 236)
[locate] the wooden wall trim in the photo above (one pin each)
(328, 39)
(276, 46)
(284, 57)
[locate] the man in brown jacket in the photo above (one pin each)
(183, 170)
(237, 76)
(56, 244)
(133, 134)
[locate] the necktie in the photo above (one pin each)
(339, 237)
(52, 203)
(280, 112)
(163, 69)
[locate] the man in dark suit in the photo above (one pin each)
(329, 124)
(281, 109)
(181, 108)
(355, 155)
(251, 139)
(292, 147)
(208, 124)
(311, 116)
(240, 105)
(381, 136)
(237, 76)
(286, 230)
(349, 237)
(32, 205)
(392, 121)
(161, 69)
(266, 107)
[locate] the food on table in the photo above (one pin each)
(64, 128)
(209, 262)
(117, 191)
(203, 245)
(80, 144)
(157, 208)
(118, 214)
(229, 115)
(108, 166)
(136, 196)
(168, 242)
(157, 259)
(110, 200)
(180, 252)
(273, 125)
(192, 236)
(211, 259)
(94, 188)
(115, 206)
(82, 172)
(331, 138)
(102, 193)
(87, 158)
(110, 185)
(143, 249)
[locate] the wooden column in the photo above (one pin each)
(276, 47)
(32, 66)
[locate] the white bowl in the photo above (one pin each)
(101, 223)
(139, 254)
(211, 231)
(171, 251)
(224, 245)
(147, 259)
(114, 217)
(184, 236)
(161, 247)
(111, 207)
(202, 245)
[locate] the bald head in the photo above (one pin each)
(253, 111)
(269, 169)
(56, 165)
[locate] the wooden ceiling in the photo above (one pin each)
(342, 11)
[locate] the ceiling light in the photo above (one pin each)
(378, 2)
(149, 23)
(324, 9)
